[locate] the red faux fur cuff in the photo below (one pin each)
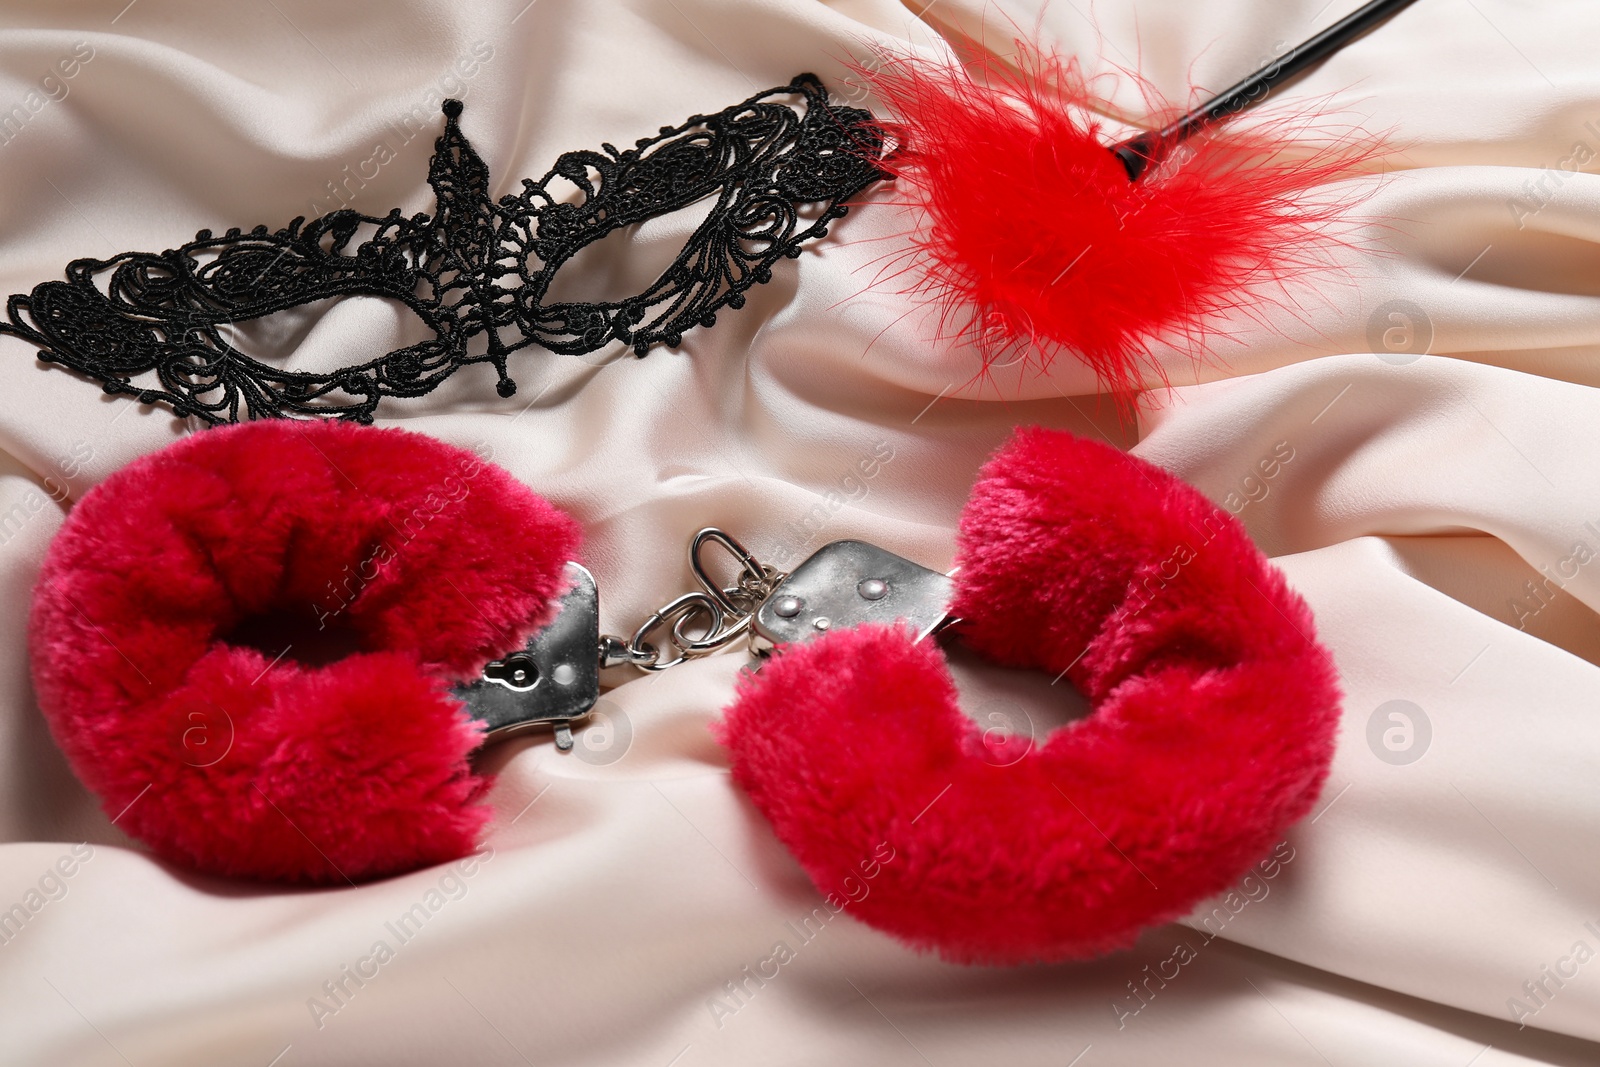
(1213, 727)
(244, 643)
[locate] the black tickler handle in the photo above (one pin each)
(1137, 153)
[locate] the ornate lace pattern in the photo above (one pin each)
(778, 168)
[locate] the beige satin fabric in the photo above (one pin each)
(1439, 511)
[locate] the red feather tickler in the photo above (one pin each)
(1035, 240)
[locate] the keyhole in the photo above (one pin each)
(517, 671)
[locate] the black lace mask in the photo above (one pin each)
(477, 272)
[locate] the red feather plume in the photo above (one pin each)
(1036, 241)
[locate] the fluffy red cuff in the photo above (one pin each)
(1213, 726)
(244, 643)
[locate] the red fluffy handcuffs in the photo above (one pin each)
(1213, 722)
(265, 648)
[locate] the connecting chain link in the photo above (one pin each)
(701, 621)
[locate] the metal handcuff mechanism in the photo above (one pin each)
(555, 681)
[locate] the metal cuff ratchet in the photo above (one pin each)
(555, 680)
